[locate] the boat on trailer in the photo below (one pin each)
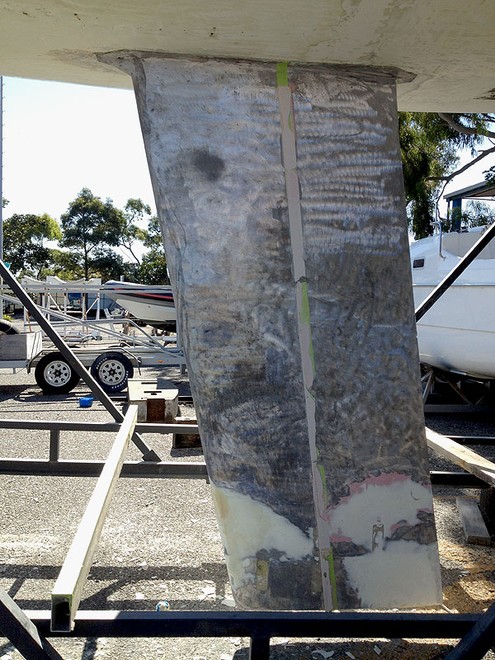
(458, 333)
(153, 305)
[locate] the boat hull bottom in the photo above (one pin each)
(451, 349)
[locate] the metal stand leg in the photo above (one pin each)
(259, 648)
(478, 641)
(22, 632)
(54, 444)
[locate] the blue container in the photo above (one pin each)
(86, 401)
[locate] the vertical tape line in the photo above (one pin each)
(283, 74)
(293, 192)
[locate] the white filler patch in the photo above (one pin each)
(396, 573)
(248, 526)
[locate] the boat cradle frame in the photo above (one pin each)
(29, 630)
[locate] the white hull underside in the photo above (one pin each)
(150, 312)
(457, 333)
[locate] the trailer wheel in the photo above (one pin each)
(7, 328)
(55, 375)
(112, 371)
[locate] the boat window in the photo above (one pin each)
(418, 263)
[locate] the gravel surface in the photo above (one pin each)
(161, 542)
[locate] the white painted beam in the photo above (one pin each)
(67, 591)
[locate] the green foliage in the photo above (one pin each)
(153, 268)
(66, 265)
(135, 211)
(429, 150)
(477, 214)
(108, 265)
(88, 224)
(152, 237)
(24, 243)
(490, 174)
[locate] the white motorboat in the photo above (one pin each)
(458, 333)
(153, 305)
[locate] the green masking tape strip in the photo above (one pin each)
(282, 74)
(333, 579)
(305, 317)
(323, 478)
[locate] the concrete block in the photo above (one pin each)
(157, 400)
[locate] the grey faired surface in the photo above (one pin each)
(212, 132)
(227, 236)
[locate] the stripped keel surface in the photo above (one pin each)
(280, 195)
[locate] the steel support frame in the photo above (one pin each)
(163, 469)
(67, 592)
(475, 631)
(260, 627)
(17, 626)
(54, 466)
(148, 453)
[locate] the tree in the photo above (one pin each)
(135, 211)
(153, 267)
(108, 265)
(24, 243)
(66, 265)
(477, 214)
(89, 226)
(430, 145)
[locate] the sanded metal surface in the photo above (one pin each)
(293, 289)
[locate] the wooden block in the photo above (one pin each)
(186, 440)
(473, 524)
(460, 455)
(20, 347)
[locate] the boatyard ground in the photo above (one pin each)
(161, 541)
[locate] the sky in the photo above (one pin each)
(59, 138)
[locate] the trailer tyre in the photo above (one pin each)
(55, 375)
(7, 328)
(112, 371)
